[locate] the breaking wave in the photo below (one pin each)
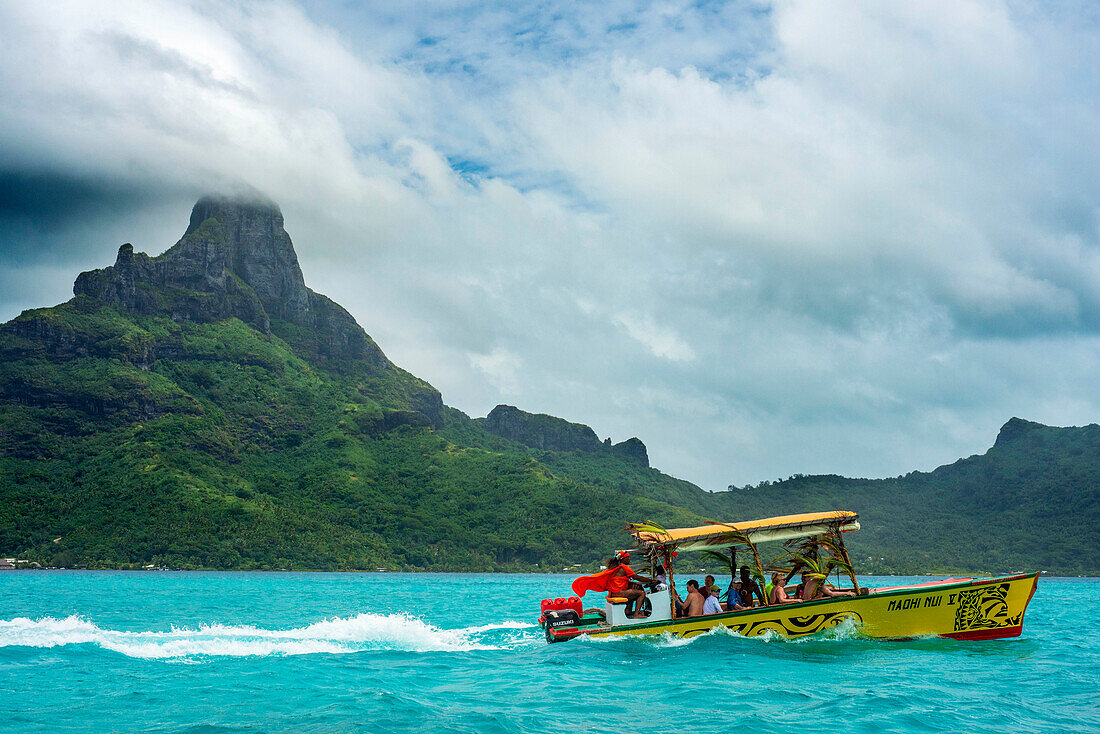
(360, 633)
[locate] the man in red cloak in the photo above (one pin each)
(615, 580)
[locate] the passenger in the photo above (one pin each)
(659, 574)
(733, 598)
(710, 601)
(693, 607)
(779, 578)
(713, 587)
(831, 591)
(749, 588)
(815, 589)
(810, 587)
(778, 593)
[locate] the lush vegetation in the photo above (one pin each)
(240, 454)
(1031, 502)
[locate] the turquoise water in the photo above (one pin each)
(239, 652)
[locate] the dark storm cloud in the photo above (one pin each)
(54, 199)
(44, 215)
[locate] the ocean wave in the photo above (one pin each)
(339, 635)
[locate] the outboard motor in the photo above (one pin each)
(559, 613)
(556, 618)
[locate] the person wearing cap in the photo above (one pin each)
(733, 597)
(710, 601)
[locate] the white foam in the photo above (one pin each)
(338, 635)
(509, 625)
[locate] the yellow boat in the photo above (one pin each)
(959, 608)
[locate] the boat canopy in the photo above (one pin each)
(725, 535)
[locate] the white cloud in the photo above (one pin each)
(501, 367)
(852, 237)
(660, 341)
(898, 157)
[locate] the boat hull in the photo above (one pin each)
(963, 609)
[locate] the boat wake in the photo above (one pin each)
(363, 632)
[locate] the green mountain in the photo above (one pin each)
(1031, 502)
(205, 409)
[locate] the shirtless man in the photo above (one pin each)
(693, 607)
(749, 588)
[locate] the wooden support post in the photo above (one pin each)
(760, 568)
(670, 580)
(733, 569)
(847, 559)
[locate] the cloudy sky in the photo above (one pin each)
(765, 238)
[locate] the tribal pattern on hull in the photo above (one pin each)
(789, 627)
(984, 608)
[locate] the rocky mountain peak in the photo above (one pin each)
(549, 433)
(245, 236)
(540, 431)
(227, 208)
(633, 449)
(234, 260)
(1015, 429)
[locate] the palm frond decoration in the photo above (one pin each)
(637, 528)
(724, 560)
(756, 572)
(732, 532)
(833, 542)
(819, 555)
(806, 547)
(654, 550)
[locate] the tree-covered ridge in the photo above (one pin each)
(205, 409)
(244, 455)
